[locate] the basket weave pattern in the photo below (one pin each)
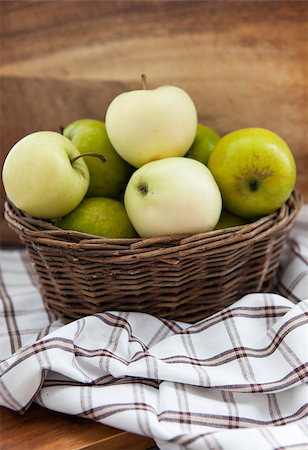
(179, 277)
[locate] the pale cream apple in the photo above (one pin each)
(146, 125)
(40, 178)
(172, 196)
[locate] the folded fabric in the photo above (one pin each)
(235, 380)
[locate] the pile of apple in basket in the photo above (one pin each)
(149, 170)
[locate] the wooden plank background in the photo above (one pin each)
(244, 63)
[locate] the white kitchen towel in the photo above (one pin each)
(235, 380)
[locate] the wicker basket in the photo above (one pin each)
(179, 277)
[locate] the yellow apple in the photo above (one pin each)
(255, 171)
(146, 125)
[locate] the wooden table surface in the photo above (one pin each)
(41, 429)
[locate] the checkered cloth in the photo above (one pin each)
(233, 381)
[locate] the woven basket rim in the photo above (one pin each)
(44, 232)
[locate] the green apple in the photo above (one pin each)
(255, 171)
(172, 196)
(108, 178)
(99, 216)
(228, 220)
(146, 125)
(203, 145)
(41, 177)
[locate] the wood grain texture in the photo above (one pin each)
(41, 429)
(243, 62)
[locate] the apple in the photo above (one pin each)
(204, 143)
(172, 196)
(228, 220)
(107, 179)
(99, 216)
(255, 171)
(41, 177)
(146, 125)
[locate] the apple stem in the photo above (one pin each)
(144, 81)
(96, 155)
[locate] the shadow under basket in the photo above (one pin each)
(185, 278)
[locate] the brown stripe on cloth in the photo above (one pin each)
(237, 352)
(283, 290)
(228, 398)
(211, 420)
(85, 394)
(173, 326)
(102, 412)
(256, 312)
(243, 360)
(118, 326)
(272, 399)
(283, 347)
(119, 322)
(162, 332)
(297, 375)
(108, 380)
(143, 419)
(80, 326)
(222, 421)
(182, 400)
(209, 441)
(65, 345)
(204, 379)
(44, 331)
(9, 315)
(234, 353)
(274, 408)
